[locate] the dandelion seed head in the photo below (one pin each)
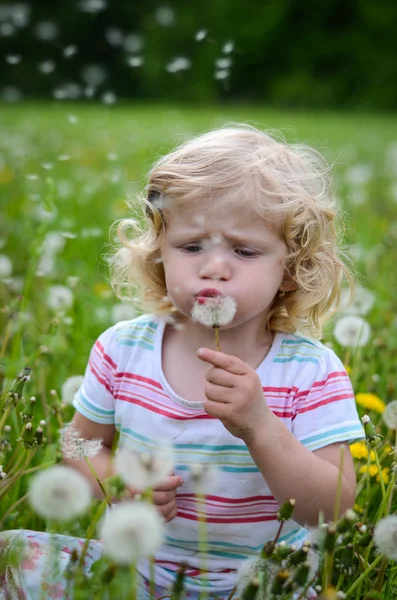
(131, 530)
(390, 415)
(352, 331)
(214, 312)
(145, 471)
(59, 493)
(385, 537)
(75, 447)
(59, 298)
(70, 387)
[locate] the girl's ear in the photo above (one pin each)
(288, 285)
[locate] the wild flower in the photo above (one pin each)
(374, 472)
(385, 537)
(70, 387)
(59, 298)
(131, 530)
(145, 471)
(371, 402)
(361, 304)
(359, 450)
(352, 331)
(390, 415)
(76, 447)
(59, 493)
(214, 312)
(5, 267)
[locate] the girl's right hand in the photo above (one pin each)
(164, 496)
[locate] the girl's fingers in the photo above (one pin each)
(224, 361)
(221, 377)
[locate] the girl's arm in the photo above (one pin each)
(102, 461)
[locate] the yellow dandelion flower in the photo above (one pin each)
(385, 475)
(348, 369)
(359, 450)
(102, 290)
(357, 508)
(371, 402)
(373, 470)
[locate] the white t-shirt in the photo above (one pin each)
(304, 384)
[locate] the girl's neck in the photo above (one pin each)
(248, 342)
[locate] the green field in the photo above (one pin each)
(67, 169)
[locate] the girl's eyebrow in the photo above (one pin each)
(243, 237)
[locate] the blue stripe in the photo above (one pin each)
(136, 343)
(79, 396)
(297, 358)
(341, 430)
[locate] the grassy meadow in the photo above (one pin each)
(65, 171)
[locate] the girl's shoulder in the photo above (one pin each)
(139, 332)
(301, 348)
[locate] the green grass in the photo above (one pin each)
(111, 150)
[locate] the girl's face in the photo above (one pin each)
(232, 252)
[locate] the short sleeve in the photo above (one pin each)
(325, 411)
(95, 398)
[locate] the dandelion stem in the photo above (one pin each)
(217, 341)
(90, 532)
(89, 463)
(382, 481)
(6, 338)
(42, 466)
(133, 581)
(11, 508)
(360, 579)
(4, 417)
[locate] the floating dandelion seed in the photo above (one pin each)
(223, 63)
(92, 6)
(390, 415)
(46, 67)
(13, 59)
(228, 48)
(214, 312)
(200, 35)
(131, 530)
(46, 31)
(145, 471)
(75, 447)
(70, 387)
(59, 297)
(109, 98)
(165, 16)
(60, 493)
(385, 537)
(114, 36)
(135, 61)
(133, 43)
(223, 74)
(352, 331)
(69, 51)
(179, 63)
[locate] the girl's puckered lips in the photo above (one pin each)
(207, 293)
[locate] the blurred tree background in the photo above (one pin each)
(306, 54)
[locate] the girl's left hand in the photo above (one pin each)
(234, 394)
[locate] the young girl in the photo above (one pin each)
(230, 214)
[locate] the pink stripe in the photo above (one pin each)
(323, 403)
(163, 412)
(192, 517)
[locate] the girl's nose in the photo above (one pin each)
(215, 267)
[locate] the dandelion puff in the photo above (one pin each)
(59, 298)
(390, 415)
(131, 530)
(361, 304)
(59, 493)
(76, 447)
(214, 312)
(352, 331)
(385, 537)
(70, 387)
(145, 471)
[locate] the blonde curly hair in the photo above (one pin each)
(286, 184)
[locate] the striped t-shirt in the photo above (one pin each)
(304, 384)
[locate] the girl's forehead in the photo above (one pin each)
(215, 219)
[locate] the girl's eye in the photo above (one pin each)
(245, 253)
(192, 248)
